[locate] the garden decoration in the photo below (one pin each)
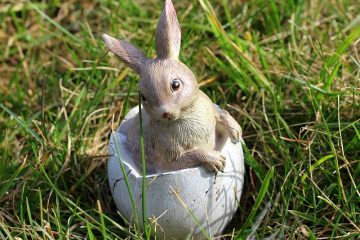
(194, 160)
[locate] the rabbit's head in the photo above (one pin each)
(167, 86)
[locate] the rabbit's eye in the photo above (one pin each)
(143, 98)
(175, 84)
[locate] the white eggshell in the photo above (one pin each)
(181, 204)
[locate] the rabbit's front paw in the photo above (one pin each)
(215, 161)
(211, 159)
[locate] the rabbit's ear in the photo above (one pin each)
(168, 34)
(128, 53)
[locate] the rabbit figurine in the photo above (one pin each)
(183, 128)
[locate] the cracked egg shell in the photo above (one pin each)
(191, 202)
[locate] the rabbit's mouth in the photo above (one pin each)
(168, 117)
(164, 113)
(165, 118)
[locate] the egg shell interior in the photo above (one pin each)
(179, 204)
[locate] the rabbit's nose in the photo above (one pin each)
(166, 115)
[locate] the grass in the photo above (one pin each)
(288, 71)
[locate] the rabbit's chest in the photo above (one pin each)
(170, 140)
(192, 133)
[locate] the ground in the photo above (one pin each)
(288, 71)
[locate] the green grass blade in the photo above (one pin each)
(30, 218)
(102, 221)
(123, 170)
(331, 78)
(22, 123)
(82, 215)
(6, 231)
(317, 163)
(143, 162)
(249, 160)
(57, 25)
(232, 49)
(263, 191)
(5, 187)
(90, 232)
(340, 50)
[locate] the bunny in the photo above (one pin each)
(183, 128)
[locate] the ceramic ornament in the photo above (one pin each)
(193, 157)
(186, 203)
